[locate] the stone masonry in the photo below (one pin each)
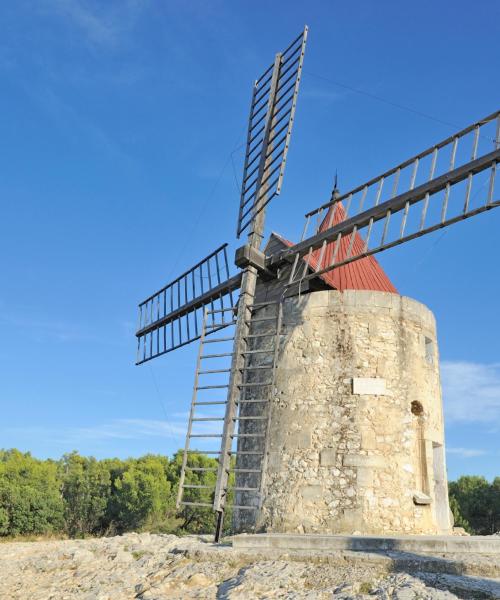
(356, 438)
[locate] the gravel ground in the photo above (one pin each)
(157, 567)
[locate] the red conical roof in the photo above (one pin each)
(362, 274)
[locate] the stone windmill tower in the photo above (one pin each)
(356, 413)
(318, 390)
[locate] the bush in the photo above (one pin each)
(30, 501)
(81, 496)
(476, 503)
(142, 496)
(86, 489)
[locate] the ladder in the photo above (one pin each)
(243, 436)
(244, 443)
(208, 406)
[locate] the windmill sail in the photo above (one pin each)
(270, 124)
(172, 316)
(449, 182)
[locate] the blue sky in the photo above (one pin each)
(118, 120)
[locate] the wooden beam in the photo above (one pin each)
(224, 288)
(379, 212)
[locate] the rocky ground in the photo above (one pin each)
(156, 567)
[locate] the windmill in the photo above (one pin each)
(240, 340)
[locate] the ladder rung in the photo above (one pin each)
(196, 504)
(204, 435)
(214, 371)
(217, 355)
(261, 320)
(202, 468)
(219, 325)
(242, 489)
(250, 401)
(263, 304)
(213, 341)
(245, 385)
(198, 487)
(249, 418)
(208, 419)
(248, 435)
(212, 387)
(269, 351)
(219, 310)
(239, 507)
(247, 452)
(245, 470)
(203, 451)
(210, 403)
(258, 335)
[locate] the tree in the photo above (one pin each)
(458, 518)
(195, 519)
(495, 502)
(86, 489)
(476, 502)
(30, 501)
(142, 496)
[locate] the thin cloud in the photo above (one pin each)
(56, 330)
(42, 330)
(102, 25)
(471, 392)
(73, 122)
(113, 435)
(466, 452)
(118, 429)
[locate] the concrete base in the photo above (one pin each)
(444, 544)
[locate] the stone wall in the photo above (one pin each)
(356, 438)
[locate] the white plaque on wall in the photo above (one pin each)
(373, 386)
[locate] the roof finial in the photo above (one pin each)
(335, 191)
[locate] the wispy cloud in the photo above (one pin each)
(471, 392)
(64, 331)
(466, 452)
(117, 429)
(72, 121)
(104, 24)
(47, 329)
(116, 433)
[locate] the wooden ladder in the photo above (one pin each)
(245, 438)
(213, 368)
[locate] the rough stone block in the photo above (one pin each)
(274, 460)
(434, 435)
(300, 440)
(382, 299)
(319, 312)
(365, 477)
(312, 492)
(421, 498)
(328, 457)
(335, 298)
(349, 297)
(359, 460)
(368, 439)
(351, 520)
(373, 386)
(318, 300)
